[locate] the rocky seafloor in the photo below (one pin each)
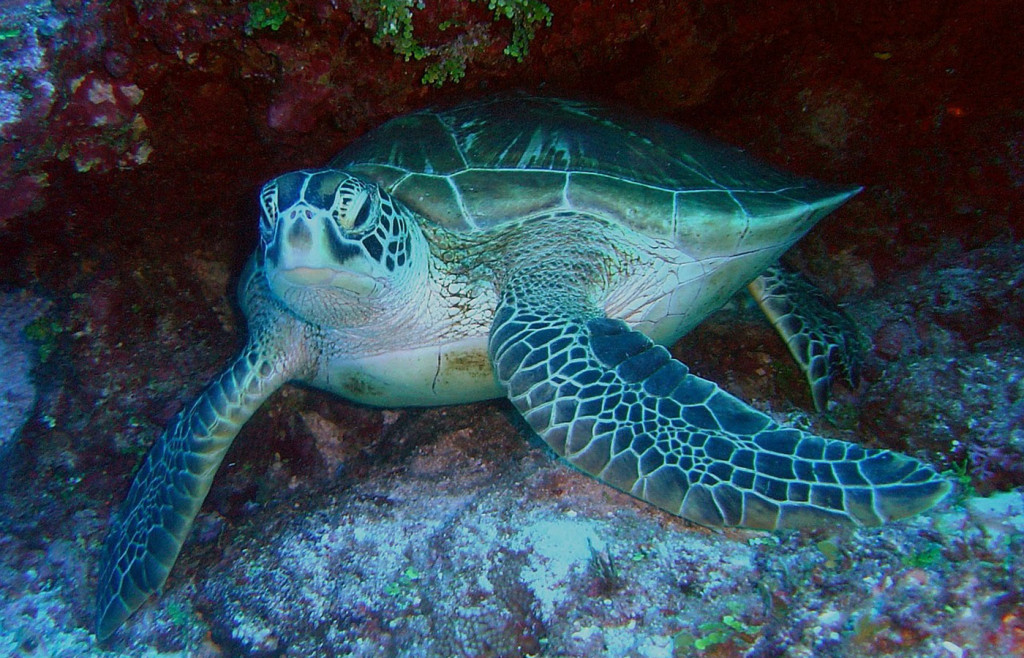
(449, 532)
(134, 139)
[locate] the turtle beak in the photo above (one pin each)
(323, 277)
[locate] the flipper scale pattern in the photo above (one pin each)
(148, 531)
(823, 340)
(618, 407)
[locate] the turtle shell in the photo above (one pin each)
(484, 163)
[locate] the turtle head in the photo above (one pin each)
(335, 247)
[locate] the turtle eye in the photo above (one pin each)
(356, 212)
(268, 204)
(362, 215)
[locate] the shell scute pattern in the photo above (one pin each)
(542, 155)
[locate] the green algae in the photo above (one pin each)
(447, 61)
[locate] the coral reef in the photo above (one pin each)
(27, 95)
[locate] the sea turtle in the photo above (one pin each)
(542, 250)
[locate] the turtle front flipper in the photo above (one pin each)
(618, 407)
(821, 338)
(148, 531)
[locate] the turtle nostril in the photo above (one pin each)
(299, 236)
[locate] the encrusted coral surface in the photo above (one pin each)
(133, 137)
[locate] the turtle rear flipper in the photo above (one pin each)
(820, 336)
(618, 407)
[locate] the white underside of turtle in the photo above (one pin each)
(543, 250)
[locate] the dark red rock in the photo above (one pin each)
(896, 339)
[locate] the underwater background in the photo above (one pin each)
(135, 137)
